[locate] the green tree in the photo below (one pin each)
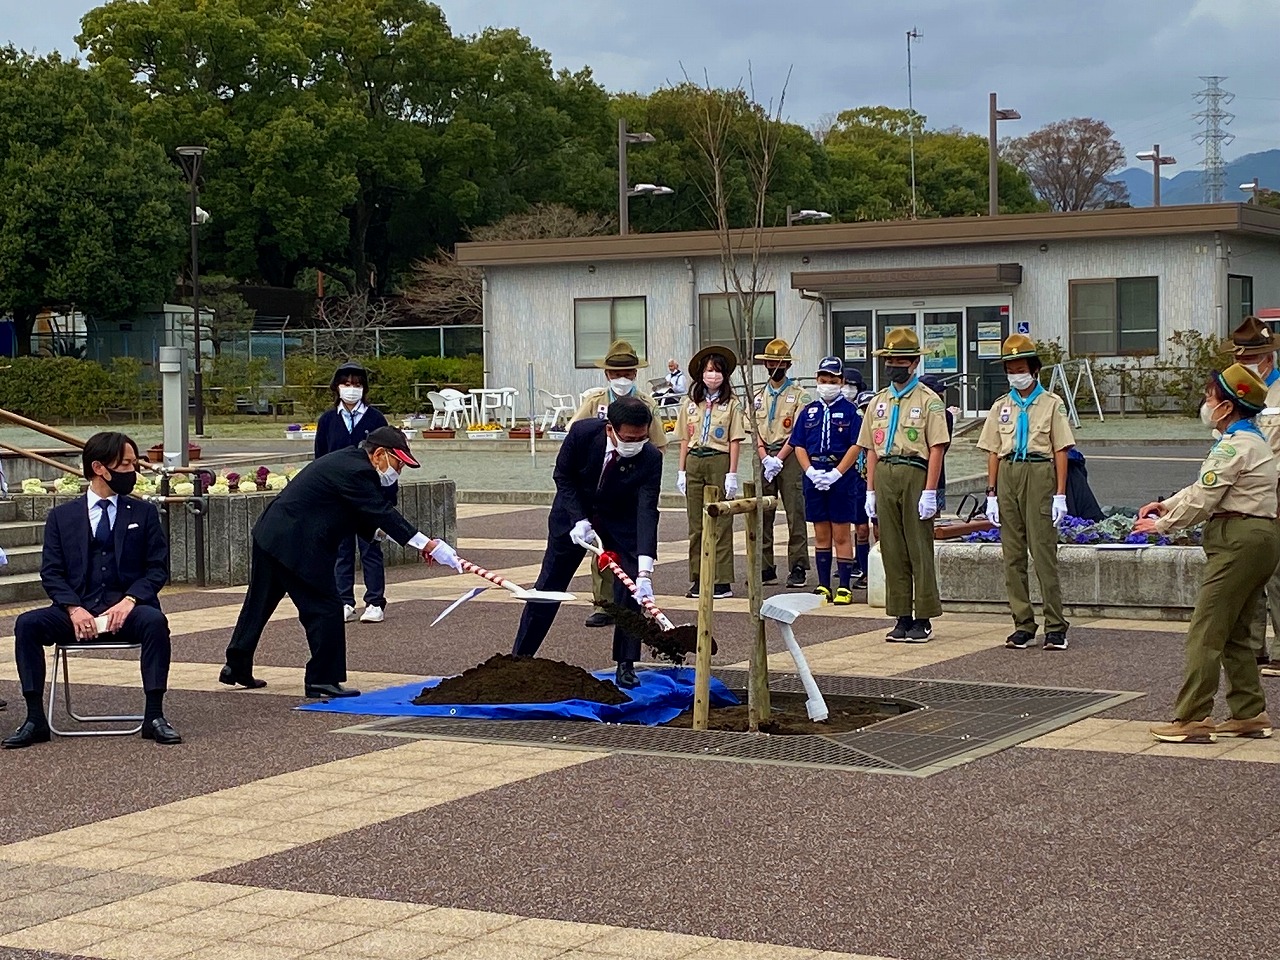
(91, 213)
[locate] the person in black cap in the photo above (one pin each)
(346, 424)
(295, 541)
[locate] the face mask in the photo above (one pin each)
(350, 395)
(389, 475)
(1253, 368)
(898, 375)
(778, 374)
(1207, 413)
(828, 391)
(629, 448)
(621, 385)
(122, 483)
(1021, 381)
(850, 392)
(712, 380)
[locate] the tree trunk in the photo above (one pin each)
(361, 215)
(24, 321)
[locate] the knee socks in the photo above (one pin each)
(861, 552)
(822, 560)
(844, 569)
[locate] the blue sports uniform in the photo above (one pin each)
(826, 432)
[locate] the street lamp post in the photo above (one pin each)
(806, 215)
(191, 157)
(1157, 160)
(1253, 188)
(995, 115)
(625, 137)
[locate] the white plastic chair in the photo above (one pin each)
(445, 410)
(558, 407)
(460, 402)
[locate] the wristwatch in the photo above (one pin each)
(133, 600)
(991, 491)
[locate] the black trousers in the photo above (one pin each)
(37, 629)
(559, 564)
(319, 610)
(371, 565)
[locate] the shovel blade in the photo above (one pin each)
(545, 596)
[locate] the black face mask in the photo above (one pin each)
(122, 483)
(778, 374)
(898, 375)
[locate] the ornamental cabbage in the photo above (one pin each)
(247, 485)
(33, 485)
(220, 488)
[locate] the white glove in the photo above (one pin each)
(681, 483)
(928, 504)
(731, 487)
(814, 474)
(444, 555)
(832, 476)
(772, 467)
(380, 537)
(871, 504)
(993, 510)
(582, 532)
(1059, 509)
(644, 591)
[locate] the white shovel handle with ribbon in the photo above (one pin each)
(649, 606)
(517, 591)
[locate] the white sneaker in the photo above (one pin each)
(348, 613)
(372, 615)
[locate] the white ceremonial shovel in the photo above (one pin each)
(783, 610)
(519, 592)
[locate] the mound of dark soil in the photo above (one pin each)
(505, 678)
(788, 717)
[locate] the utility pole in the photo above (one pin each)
(1158, 160)
(912, 34)
(994, 116)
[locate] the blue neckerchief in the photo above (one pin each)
(706, 422)
(893, 416)
(1248, 426)
(773, 404)
(1272, 377)
(1024, 425)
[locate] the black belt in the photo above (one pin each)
(775, 447)
(826, 459)
(920, 462)
(706, 452)
(1234, 515)
(1029, 458)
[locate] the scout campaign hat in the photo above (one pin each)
(901, 342)
(730, 359)
(621, 356)
(392, 439)
(1017, 346)
(1253, 338)
(777, 350)
(1239, 383)
(349, 369)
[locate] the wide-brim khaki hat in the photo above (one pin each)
(777, 350)
(1017, 346)
(901, 342)
(1252, 338)
(730, 359)
(621, 356)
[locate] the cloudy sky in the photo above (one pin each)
(1133, 63)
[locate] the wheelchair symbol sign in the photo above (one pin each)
(1024, 326)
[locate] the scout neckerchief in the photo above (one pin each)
(893, 417)
(706, 417)
(775, 394)
(1246, 426)
(1272, 377)
(825, 437)
(352, 417)
(1023, 434)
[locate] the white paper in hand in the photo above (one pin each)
(101, 623)
(473, 592)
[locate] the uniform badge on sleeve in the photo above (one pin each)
(1209, 479)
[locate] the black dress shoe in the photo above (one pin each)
(769, 575)
(625, 676)
(27, 734)
(328, 691)
(599, 619)
(232, 677)
(161, 731)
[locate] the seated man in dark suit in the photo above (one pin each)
(104, 555)
(607, 482)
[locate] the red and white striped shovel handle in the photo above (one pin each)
(480, 571)
(607, 562)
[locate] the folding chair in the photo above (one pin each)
(61, 656)
(558, 407)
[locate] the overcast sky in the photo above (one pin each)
(1134, 63)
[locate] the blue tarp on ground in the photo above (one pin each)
(663, 695)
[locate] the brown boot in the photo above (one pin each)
(1186, 731)
(1259, 728)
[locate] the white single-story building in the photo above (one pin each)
(1108, 284)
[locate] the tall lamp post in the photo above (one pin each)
(1253, 188)
(190, 158)
(994, 116)
(625, 137)
(1157, 160)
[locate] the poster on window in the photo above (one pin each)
(855, 344)
(942, 348)
(990, 330)
(988, 349)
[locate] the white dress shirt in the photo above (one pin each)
(95, 510)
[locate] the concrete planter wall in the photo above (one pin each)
(1150, 583)
(431, 506)
(18, 468)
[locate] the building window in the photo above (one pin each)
(1239, 298)
(1112, 318)
(720, 315)
(600, 321)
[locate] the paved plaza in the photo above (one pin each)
(272, 834)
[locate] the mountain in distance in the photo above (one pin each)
(1188, 186)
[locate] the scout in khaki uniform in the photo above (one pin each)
(1236, 494)
(777, 404)
(905, 434)
(620, 365)
(1254, 346)
(711, 428)
(1026, 438)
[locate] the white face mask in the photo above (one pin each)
(621, 386)
(1253, 368)
(849, 391)
(828, 391)
(1021, 381)
(1207, 414)
(712, 380)
(629, 448)
(350, 394)
(389, 475)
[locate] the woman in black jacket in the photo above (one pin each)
(346, 425)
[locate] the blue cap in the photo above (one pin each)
(831, 365)
(853, 374)
(863, 399)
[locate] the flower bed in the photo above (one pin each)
(297, 431)
(1117, 529)
(485, 431)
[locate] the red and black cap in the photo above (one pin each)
(389, 438)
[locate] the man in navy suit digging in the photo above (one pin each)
(104, 555)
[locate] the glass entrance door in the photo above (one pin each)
(852, 331)
(985, 330)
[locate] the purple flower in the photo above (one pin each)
(233, 479)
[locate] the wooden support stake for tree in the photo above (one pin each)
(728, 508)
(706, 601)
(758, 678)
